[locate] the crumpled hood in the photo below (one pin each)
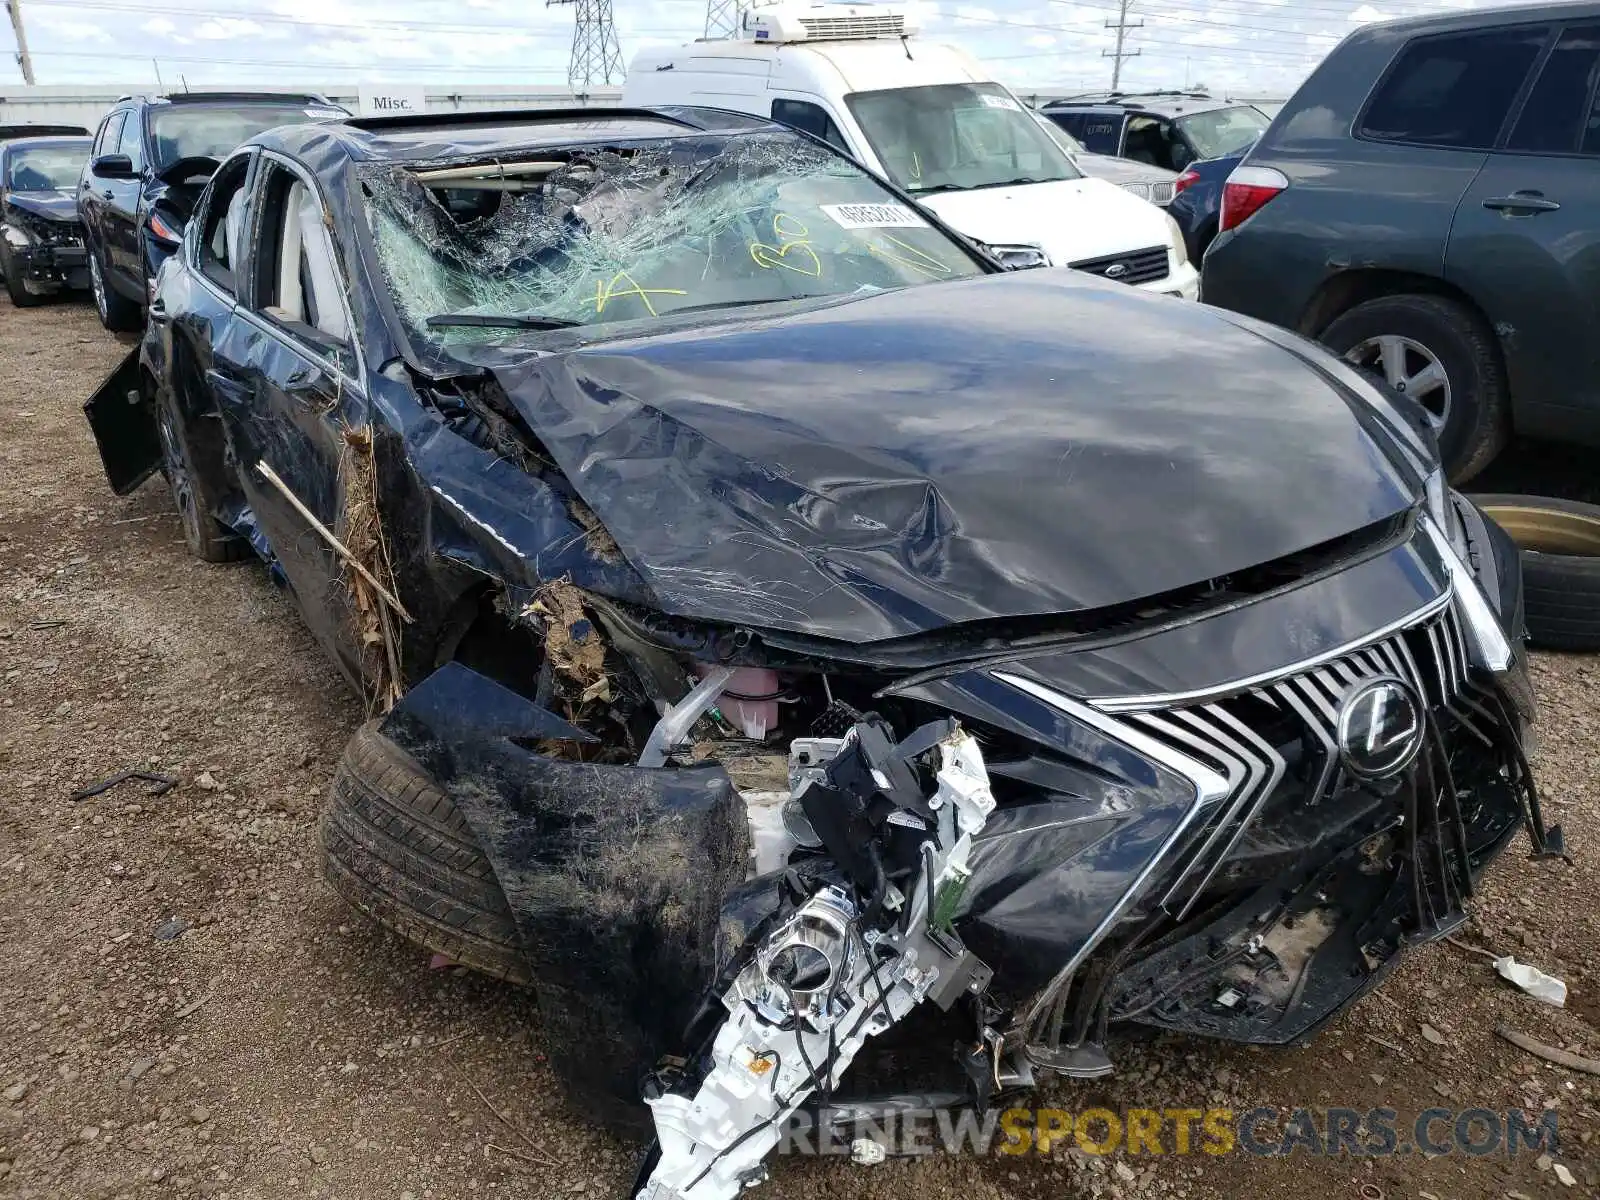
(59, 206)
(1006, 446)
(1071, 219)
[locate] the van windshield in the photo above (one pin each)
(603, 235)
(956, 136)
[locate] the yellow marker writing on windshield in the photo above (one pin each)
(908, 255)
(605, 293)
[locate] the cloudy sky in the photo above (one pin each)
(1250, 47)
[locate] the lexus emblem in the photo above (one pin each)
(1116, 270)
(1380, 727)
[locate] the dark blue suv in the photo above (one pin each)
(152, 155)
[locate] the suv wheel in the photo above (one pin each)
(1441, 354)
(16, 287)
(117, 312)
(207, 538)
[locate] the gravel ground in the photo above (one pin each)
(187, 1010)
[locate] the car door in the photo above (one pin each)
(94, 191)
(287, 381)
(1526, 240)
(192, 313)
(1102, 133)
(121, 216)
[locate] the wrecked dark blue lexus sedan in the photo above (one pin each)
(789, 625)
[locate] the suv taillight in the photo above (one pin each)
(1185, 180)
(1247, 189)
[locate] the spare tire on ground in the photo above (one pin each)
(398, 850)
(1560, 544)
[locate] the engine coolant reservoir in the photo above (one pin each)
(749, 699)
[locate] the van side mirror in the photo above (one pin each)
(113, 166)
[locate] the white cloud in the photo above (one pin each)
(222, 29)
(1366, 14)
(160, 26)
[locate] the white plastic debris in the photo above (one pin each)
(1533, 981)
(867, 1153)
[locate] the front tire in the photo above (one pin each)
(1442, 355)
(16, 288)
(397, 849)
(117, 312)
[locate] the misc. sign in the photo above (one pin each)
(392, 100)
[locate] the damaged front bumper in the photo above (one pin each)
(47, 269)
(1243, 861)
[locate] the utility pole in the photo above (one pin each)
(1121, 25)
(24, 59)
(723, 17)
(596, 53)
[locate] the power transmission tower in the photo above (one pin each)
(596, 53)
(24, 59)
(1121, 25)
(723, 17)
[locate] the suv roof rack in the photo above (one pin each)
(1126, 98)
(509, 116)
(206, 97)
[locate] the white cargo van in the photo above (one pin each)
(930, 118)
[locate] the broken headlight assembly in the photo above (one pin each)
(1442, 524)
(858, 941)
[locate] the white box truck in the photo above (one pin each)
(933, 120)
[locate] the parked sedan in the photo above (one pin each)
(789, 622)
(151, 157)
(41, 238)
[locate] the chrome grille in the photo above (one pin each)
(1131, 266)
(1241, 735)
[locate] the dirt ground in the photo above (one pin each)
(187, 1010)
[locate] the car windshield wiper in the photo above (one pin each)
(498, 321)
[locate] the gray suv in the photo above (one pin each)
(1428, 205)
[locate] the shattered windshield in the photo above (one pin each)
(955, 136)
(596, 236)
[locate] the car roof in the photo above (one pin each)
(434, 136)
(1468, 18)
(1164, 104)
(28, 143)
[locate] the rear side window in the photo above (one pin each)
(131, 143)
(298, 281)
(1559, 116)
(1071, 122)
(1102, 132)
(110, 133)
(809, 118)
(222, 232)
(1454, 90)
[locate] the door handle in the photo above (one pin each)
(1529, 202)
(301, 378)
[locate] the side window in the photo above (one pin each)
(1155, 141)
(1102, 133)
(1072, 122)
(1559, 116)
(1454, 90)
(131, 142)
(809, 118)
(298, 282)
(110, 133)
(222, 228)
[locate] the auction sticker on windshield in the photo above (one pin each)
(873, 216)
(1005, 102)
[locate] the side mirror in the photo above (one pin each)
(113, 166)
